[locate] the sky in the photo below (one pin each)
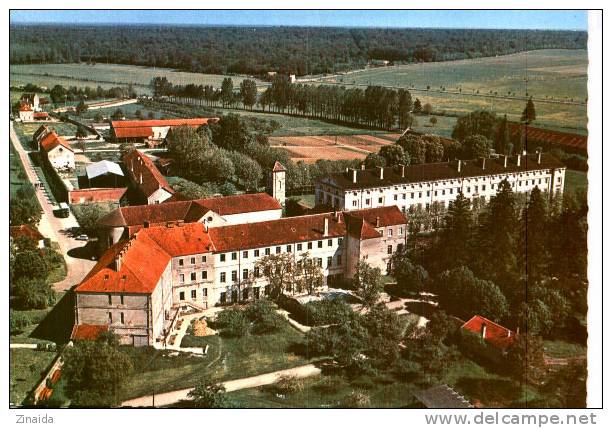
(546, 20)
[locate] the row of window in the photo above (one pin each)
(278, 249)
(223, 298)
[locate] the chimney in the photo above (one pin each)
(382, 172)
(325, 226)
(509, 332)
(403, 170)
(335, 217)
(363, 166)
(206, 226)
(518, 160)
(140, 179)
(377, 221)
(459, 165)
(483, 331)
(484, 160)
(118, 261)
(505, 161)
(354, 176)
(539, 157)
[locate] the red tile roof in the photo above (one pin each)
(145, 256)
(546, 136)
(140, 165)
(97, 195)
(87, 332)
(143, 128)
(189, 211)
(41, 114)
(23, 106)
(497, 335)
(25, 230)
(52, 140)
(142, 263)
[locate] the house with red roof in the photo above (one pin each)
(150, 184)
(101, 194)
(125, 221)
(26, 112)
(496, 335)
(138, 283)
(151, 132)
(57, 150)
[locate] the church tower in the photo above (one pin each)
(276, 182)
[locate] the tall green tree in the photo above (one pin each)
(227, 91)
(394, 155)
(453, 247)
(248, 92)
(529, 113)
(368, 284)
(476, 146)
(478, 122)
(502, 137)
(533, 239)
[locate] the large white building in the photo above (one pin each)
(423, 185)
(138, 283)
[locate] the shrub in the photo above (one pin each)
(264, 317)
(288, 384)
(233, 322)
(32, 293)
(357, 400)
(17, 322)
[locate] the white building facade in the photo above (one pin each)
(423, 185)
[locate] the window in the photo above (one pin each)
(299, 247)
(222, 257)
(223, 297)
(339, 241)
(182, 278)
(329, 262)
(469, 189)
(245, 294)
(205, 292)
(222, 277)
(428, 193)
(245, 273)
(204, 274)
(256, 253)
(234, 256)
(110, 299)
(256, 272)
(450, 191)
(435, 193)
(420, 194)
(122, 318)
(380, 200)
(390, 232)
(121, 297)
(267, 251)
(193, 294)
(245, 254)
(193, 260)
(182, 295)
(339, 260)
(288, 248)
(110, 317)
(389, 249)
(320, 262)
(319, 244)
(234, 275)
(193, 276)
(367, 201)
(203, 259)
(278, 250)
(395, 197)
(354, 203)
(400, 231)
(310, 245)
(181, 262)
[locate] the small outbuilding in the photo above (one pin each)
(105, 174)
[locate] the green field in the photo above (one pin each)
(559, 75)
(227, 358)
(27, 367)
(107, 75)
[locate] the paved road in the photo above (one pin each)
(54, 228)
(169, 398)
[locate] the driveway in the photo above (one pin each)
(169, 398)
(57, 229)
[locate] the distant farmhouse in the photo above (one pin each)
(30, 99)
(422, 185)
(57, 151)
(151, 132)
(26, 112)
(150, 186)
(496, 335)
(139, 283)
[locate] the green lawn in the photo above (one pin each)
(327, 392)
(26, 369)
(576, 181)
(562, 349)
(559, 75)
(108, 75)
(227, 358)
(17, 175)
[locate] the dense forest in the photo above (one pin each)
(256, 50)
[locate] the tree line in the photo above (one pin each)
(257, 50)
